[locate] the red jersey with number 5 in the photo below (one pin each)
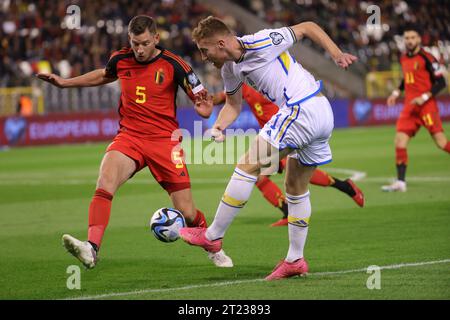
(147, 106)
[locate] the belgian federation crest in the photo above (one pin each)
(159, 76)
(276, 37)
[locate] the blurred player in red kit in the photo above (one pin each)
(422, 81)
(149, 78)
(263, 110)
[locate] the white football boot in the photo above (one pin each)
(82, 250)
(396, 186)
(220, 259)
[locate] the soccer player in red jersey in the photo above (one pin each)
(422, 81)
(263, 110)
(149, 78)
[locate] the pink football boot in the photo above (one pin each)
(197, 237)
(286, 269)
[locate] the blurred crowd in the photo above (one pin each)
(35, 35)
(377, 43)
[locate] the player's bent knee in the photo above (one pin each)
(399, 143)
(295, 186)
(401, 140)
(296, 189)
(108, 182)
(251, 169)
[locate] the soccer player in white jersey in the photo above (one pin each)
(301, 128)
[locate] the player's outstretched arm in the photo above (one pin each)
(94, 78)
(315, 33)
(229, 113)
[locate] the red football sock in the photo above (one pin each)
(321, 178)
(99, 212)
(199, 220)
(401, 156)
(447, 147)
(270, 191)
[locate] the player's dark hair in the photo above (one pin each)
(412, 27)
(140, 23)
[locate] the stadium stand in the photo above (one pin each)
(377, 46)
(35, 37)
(345, 22)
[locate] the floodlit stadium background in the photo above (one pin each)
(48, 171)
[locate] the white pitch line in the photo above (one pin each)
(414, 179)
(150, 181)
(47, 179)
(230, 283)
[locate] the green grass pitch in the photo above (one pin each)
(45, 192)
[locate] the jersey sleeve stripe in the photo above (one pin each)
(246, 42)
(183, 64)
(235, 90)
(176, 57)
(294, 37)
(257, 45)
(254, 49)
(125, 50)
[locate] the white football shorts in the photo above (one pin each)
(305, 127)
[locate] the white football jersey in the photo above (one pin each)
(268, 67)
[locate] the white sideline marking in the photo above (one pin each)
(408, 179)
(150, 181)
(47, 179)
(64, 182)
(230, 283)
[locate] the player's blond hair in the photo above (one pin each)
(210, 27)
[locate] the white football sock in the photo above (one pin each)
(299, 208)
(235, 197)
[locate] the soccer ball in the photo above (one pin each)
(165, 224)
